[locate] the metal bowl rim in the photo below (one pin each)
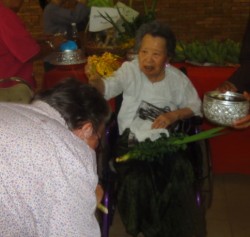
(208, 95)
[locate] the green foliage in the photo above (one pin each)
(210, 51)
(151, 150)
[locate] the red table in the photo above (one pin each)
(59, 73)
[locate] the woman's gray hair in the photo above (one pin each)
(157, 29)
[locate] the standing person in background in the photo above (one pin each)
(57, 18)
(48, 164)
(18, 49)
(240, 80)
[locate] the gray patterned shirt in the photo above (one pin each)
(47, 175)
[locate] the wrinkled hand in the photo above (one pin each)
(226, 86)
(245, 121)
(165, 120)
(242, 123)
(247, 95)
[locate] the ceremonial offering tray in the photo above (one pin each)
(224, 108)
(67, 57)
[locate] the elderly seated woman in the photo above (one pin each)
(154, 198)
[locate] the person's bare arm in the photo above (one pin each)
(245, 121)
(98, 84)
(226, 86)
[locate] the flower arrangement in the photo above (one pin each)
(104, 65)
(120, 38)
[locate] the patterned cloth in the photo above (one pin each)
(47, 175)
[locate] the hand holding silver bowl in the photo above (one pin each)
(224, 108)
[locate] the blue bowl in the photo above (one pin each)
(69, 45)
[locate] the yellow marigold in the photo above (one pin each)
(128, 44)
(105, 64)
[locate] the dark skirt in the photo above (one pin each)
(157, 198)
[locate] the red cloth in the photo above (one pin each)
(17, 47)
(60, 73)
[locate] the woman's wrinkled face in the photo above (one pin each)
(153, 57)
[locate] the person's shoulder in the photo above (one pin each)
(176, 77)
(134, 64)
(174, 71)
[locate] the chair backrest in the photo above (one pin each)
(17, 91)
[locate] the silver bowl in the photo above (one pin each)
(224, 108)
(67, 57)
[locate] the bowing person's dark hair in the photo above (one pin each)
(77, 103)
(157, 29)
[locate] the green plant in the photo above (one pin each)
(210, 51)
(150, 150)
(129, 29)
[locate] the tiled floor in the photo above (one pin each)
(229, 214)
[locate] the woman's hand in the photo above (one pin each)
(164, 120)
(226, 86)
(246, 95)
(245, 121)
(242, 123)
